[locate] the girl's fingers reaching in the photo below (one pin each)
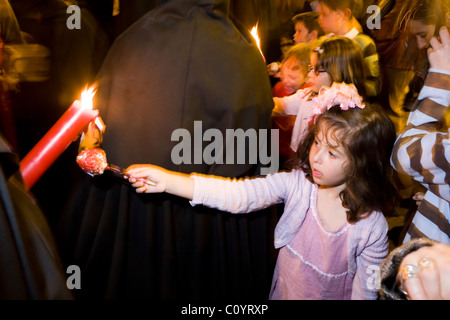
(144, 171)
(142, 187)
(136, 183)
(137, 172)
(146, 178)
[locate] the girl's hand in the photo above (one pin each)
(438, 53)
(179, 184)
(138, 172)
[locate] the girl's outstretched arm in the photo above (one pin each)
(179, 184)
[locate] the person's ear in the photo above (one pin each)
(347, 13)
(313, 35)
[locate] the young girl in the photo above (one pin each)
(332, 233)
(338, 59)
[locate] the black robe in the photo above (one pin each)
(182, 62)
(30, 267)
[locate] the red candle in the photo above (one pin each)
(57, 139)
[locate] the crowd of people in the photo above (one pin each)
(362, 112)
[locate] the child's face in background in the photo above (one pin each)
(327, 158)
(317, 78)
(293, 73)
(329, 20)
(301, 33)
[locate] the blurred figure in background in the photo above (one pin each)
(75, 56)
(9, 34)
(30, 267)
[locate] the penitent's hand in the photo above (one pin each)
(179, 184)
(438, 53)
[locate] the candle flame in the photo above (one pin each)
(254, 33)
(86, 98)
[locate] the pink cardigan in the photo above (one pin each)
(368, 244)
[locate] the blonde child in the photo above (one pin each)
(332, 235)
(293, 70)
(293, 75)
(337, 59)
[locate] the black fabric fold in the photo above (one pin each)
(30, 266)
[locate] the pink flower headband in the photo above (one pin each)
(342, 94)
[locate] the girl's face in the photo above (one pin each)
(422, 32)
(317, 77)
(293, 74)
(328, 159)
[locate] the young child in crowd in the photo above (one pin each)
(332, 231)
(338, 59)
(293, 70)
(307, 27)
(337, 17)
(307, 30)
(293, 75)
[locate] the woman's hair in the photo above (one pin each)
(343, 60)
(429, 12)
(367, 136)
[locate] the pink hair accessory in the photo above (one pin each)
(342, 94)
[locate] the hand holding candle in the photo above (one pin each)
(58, 138)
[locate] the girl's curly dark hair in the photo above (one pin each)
(367, 136)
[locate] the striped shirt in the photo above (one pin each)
(371, 64)
(422, 151)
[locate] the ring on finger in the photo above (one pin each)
(409, 271)
(425, 262)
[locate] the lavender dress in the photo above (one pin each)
(314, 264)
